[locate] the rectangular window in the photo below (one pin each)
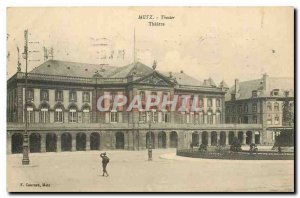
(44, 116)
(58, 116)
(30, 115)
(72, 116)
(142, 116)
(254, 94)
(30, 94)
(218, 103)
(59, 95)
(269, 120)
(254, 119)
(246, 108)
(44, 95)
(86, 97)
(209, 102)
(254, 107)
(276, 120)
(72, 96)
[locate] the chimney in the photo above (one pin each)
(265, 82)
(236, 85)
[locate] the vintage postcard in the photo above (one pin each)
(150, 99)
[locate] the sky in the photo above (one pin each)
(217, 42)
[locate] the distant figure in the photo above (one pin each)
(105, 161)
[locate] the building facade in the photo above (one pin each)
(62, 112)
(261, 102)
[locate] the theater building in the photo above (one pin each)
(63, 116)
(260, 101)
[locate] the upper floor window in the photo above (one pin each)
(276, 106)
(254, 107)
(72, 115)
(59, 95)
(142, 95)
(269, 119)
(245, 108)
(275, 92)
(209, 117)
(218, 117)
(30, 94)
(86, 97)
(72, 96)
(254, 94)
(142, 116)
(113, 116)
(276, 119)
(201, 102)
(209, 102)
(218, 103)
(254, 119)
(58, 115)
(44, 114)
(44, 95)
(240, 108)
(30, 114)
(269, 106)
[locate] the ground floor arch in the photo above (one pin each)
(195, 139)
(173, 139)
(81, 141)
(94, 141)
(162, 140)
(51, 142)
(17, 143)
(120, 142)
(35, 143)
(204, 138)
(222, 138)
(214, 138)
(230, 137)
(66, 142)
(257, 137)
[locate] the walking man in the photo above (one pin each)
(105, 161)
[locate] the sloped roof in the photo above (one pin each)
(123, 72)
(245, 88)
(184, 79)
(65, 68)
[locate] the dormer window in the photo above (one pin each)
(275, 92)
(254, 94)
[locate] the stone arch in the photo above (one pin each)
(44, 104)
(248, 137)
(73, 105)
(241, 136)
(230, 137)
(205, 138)
(17, 143)
(173, 139)
(222, 138)
(120, 140)
(86, 106)
(195, 138)
(59, 105)
(214, 138)
(35, 143)
(81, 141)
(66, 142)
(148, 139)
(51, 142)
(162, 139)
(94, 141)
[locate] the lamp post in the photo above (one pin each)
(25, 160)
(96, 76)
(150, 137)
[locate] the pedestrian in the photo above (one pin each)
(105, 161)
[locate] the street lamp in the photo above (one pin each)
(150, 137)
(96, 76)
(25, 160)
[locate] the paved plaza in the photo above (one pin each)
(130, 171)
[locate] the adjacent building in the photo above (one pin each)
(261, 102)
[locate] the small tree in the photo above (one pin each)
(236, 145)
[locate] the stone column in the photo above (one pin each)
(73, 141)
(88, 143)
(43, 142)
(253, 137)
(218, 137)
(209, 138)
(200, 138)
(58, 142)
(227, 138)
(167, 139)
(244, 138)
